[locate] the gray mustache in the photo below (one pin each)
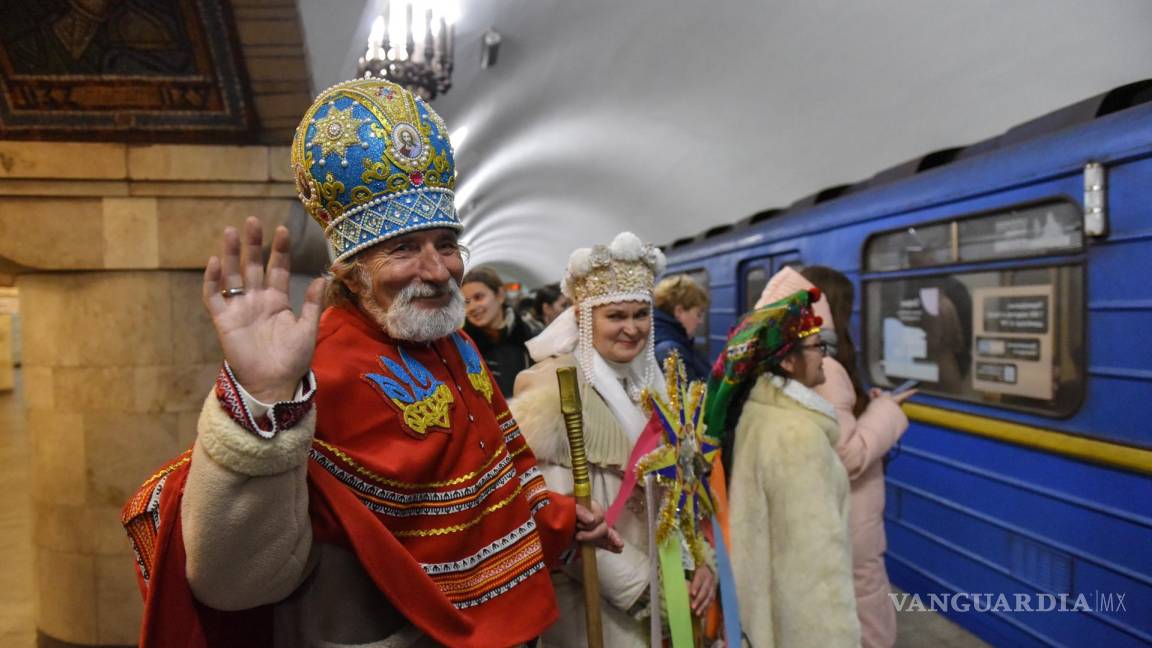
(424, 289)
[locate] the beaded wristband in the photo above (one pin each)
(280, 416)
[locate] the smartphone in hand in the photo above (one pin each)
(905, 386)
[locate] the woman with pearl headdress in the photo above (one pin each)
(607, 335)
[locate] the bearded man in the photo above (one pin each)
(385, 497)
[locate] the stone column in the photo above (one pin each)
(109, 242)
(116, 366)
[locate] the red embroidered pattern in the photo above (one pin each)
(280, 416)
(141, 516)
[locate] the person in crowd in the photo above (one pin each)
(870, 423)
(607, 336)
(549, 303)
(493, 324)
(364, 484)
(788, 492)
(526, 309)
(680, 304)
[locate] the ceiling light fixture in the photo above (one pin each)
(411, 44)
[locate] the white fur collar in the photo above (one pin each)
(803, 395)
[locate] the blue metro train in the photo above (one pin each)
(1013, 278)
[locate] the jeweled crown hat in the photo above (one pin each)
(624, 270)
(373, 161)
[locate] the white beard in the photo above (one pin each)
(403, 320)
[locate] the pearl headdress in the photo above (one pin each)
(623, 271)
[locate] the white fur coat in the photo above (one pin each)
(623, 576)
(789, 521)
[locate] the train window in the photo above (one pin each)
(915, 247)
(754, 281)
(1012, 338)
(1033, 230)
(1041, 229)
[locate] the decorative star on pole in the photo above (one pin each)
(682, 462)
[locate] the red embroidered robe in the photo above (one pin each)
(418, 467)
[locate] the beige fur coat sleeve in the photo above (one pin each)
(244, 514)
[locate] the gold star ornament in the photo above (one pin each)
(337, 132)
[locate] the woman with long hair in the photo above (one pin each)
(548, 303)
(498, 331)
(870, 424)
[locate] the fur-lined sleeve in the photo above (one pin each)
(247, 532)
(536, 408)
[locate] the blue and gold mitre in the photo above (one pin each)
(373, 161)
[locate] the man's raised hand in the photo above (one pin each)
(267, 346)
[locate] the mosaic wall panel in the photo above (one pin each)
(125, 70)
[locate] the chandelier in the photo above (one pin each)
(411, 45)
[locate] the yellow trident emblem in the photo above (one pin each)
(423, 400)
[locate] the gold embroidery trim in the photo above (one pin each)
(403, 506)
(455, 528)
(167, 469)
(411, 486)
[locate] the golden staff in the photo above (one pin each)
(572, 410)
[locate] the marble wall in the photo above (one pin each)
(109, 243)
(7, 359)
(116, 367)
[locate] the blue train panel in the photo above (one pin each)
(1027, 469)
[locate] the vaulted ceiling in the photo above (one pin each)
(666, 117)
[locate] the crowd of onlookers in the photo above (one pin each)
(367, 473)
(803, 440)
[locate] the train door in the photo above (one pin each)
(755, 273)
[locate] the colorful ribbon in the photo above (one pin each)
(676, 593)
(732, 629)
(673, 456)
(648, 441)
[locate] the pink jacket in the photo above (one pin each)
(862, 446)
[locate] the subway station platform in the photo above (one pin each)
(17, 606)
